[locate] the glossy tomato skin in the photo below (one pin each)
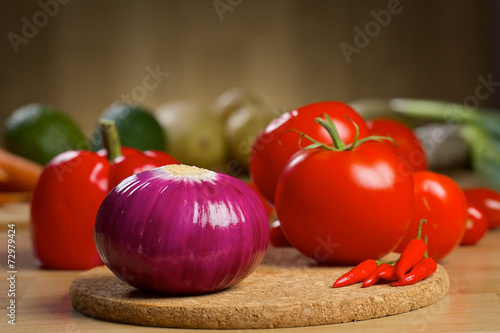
(276, 143)
(441, 201)
(407, 145)
(277, 237)
(476, 226)
(345, 207)
(267, 206)
(489, 200)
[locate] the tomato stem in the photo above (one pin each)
(332, 130)
(338, 144)
(111, 139)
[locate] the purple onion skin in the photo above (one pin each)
(178, 236)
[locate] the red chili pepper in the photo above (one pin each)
(425, 268)
(374, 277)
(414, 251)
(67, 197)
(357, 274)
(389, 274)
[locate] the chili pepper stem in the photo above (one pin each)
(111, 139)
(426, 255)
(419, 232)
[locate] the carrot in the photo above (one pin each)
(8, 197)
(4, 176)
(17, 174)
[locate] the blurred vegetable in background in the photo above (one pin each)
(137, 128)
(39, 132)
(243, 115)
(478, 128)
(17, 174)
(194, 134)
(231, 100)
(18, 177)
(242, 128)
(372, 108)
(444, 147)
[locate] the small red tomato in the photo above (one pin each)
(487, 199)
(441, 201)
(277, 237)
(476, 226)
(267, 206)
(276, 143)
(407, 145)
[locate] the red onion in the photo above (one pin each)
(182, 230)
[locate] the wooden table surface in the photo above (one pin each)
(472, 305)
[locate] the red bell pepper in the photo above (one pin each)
(69, 193)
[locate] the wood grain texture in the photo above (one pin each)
(471, 305)
(286, 290)
(16, 212)
(93, 52)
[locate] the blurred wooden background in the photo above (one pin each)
(92, 52)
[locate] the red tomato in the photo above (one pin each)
(476, 226)
(277, 237)
(487, 199)
(440, 201)
(408, 146)
(276, 144)
(268, 207)
(343, 207)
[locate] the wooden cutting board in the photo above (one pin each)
(286, 290)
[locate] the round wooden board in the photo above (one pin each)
(286, 290)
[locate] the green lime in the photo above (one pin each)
(40, 132)
(137, 128)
